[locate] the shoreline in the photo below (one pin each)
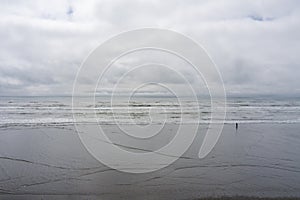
(259, 161)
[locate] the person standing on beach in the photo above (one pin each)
(236, 126)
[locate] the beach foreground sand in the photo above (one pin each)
(257, 160)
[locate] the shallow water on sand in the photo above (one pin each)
(255, 160)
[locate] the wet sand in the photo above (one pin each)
(257, 160)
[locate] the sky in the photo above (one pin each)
(255, 44)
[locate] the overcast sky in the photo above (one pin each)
(255, 44)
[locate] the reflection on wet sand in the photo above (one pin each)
(262, 160)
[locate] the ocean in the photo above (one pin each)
(31, 111)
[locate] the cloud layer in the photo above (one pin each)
(255, 44)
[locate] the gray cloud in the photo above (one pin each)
(255, 44)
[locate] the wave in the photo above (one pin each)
(24, 111)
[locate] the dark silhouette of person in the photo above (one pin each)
(236, 126)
